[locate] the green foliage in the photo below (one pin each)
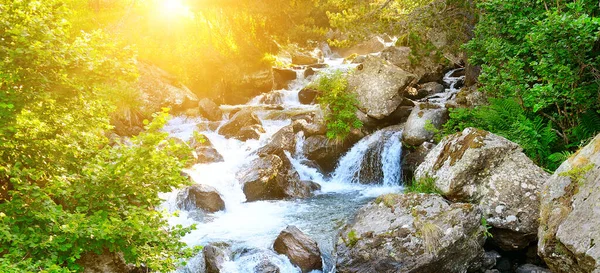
(577, 174)
(437, 133)
(340, 105)
(64, 191)
(423, 185)
(486, 228)
(545, 58)
(506, 118)
(352, 238)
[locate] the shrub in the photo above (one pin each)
(423, 185)
(339, 103)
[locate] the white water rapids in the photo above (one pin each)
(250, 228)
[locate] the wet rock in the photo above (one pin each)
(283, 140)
(309, 72)
(309, 128)
(208, 125)
(485, 169)
(529, 268)
(250, 132)
(215, 255)
(490, 258)
(210, 110)
(325, 152)
(274, 97)
(431, 88)
(318, 66)
(413, 157)
(266, 267)
(204, 151)
(270, 177)
(379, 86)
(282, 77)
(369, 122)
(398, 56)
(252, 84)
(359, 59)
(373, 45)
(417, 130)
(199, 196)
(569, 232)
(299, 248)
(241, 119)
(470, 97)
(472, 74)
(308, 95)
(411, 233)
(302, 58)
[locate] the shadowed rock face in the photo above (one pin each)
(299, 248)
(569, 232)
(378, 86)
(411, 233)
(202, 197)
(243, 125)
(488, 170)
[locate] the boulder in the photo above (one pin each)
(308, 95)
(204, 151)
(215, 256)
(283, 140)
(266, 266)
(430, 88)
(282, 77)
(485, 169)
(239, 120)
(530, 268)
(208, 125)
(104, 262)
(210, 110)
(326, 152)
(426, 69)
(309, 72)
(299, 248)
(160, 89)
(413, 157)
(373, 45)
(250, 132)
(270, 177)
(274, 97)
(411, 233)
(199, 196)
(302, 58)
(470, 97)
(418, 127)
(569, 224)
(309, 128)
(378, 86)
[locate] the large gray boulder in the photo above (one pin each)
(378, 86)
(199, 196)
(283, 140)
(488, 170)
(411, 233)
(106, 262)
(426, 69)
(204, 151)
(373, 45)
(416, 128)
(569, 230)
(282, 77)
(215, 255)
(161, 89)
(299, 248)
(270, 177)
(243, 119)
(326, 152)
(210, 110)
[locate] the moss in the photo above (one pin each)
(352, 239)
(389, 200)
(454, 150)
(423, 185)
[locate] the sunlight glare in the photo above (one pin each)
(176, 8)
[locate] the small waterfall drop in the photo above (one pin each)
(373, 160)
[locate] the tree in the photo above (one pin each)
(64, 190)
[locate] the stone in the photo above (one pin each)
(425, 70)
(274, 97)
(417, 130)
(308, 95)
(378, 86)
(325, 152)
(529, 268)
(413, 157)
(299, 248)
(282, 77)
(373, 45)
(215, 256)
(470, 97)
(411, 232)
(210, 110)
(488, 170)
(309, 72)
(430, 88)
(302, 58)
(204, 151)
(283, 140)
(239, 120)
(104, 262)
(270, 177)
(160, 89)
(200, 196)
(569, 232)
(250, 132)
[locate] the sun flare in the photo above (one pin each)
(175, 8)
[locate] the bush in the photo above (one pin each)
(423, 185)
(340, 105)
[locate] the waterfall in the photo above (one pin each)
(373, 160)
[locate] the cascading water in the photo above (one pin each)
(369, 169)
